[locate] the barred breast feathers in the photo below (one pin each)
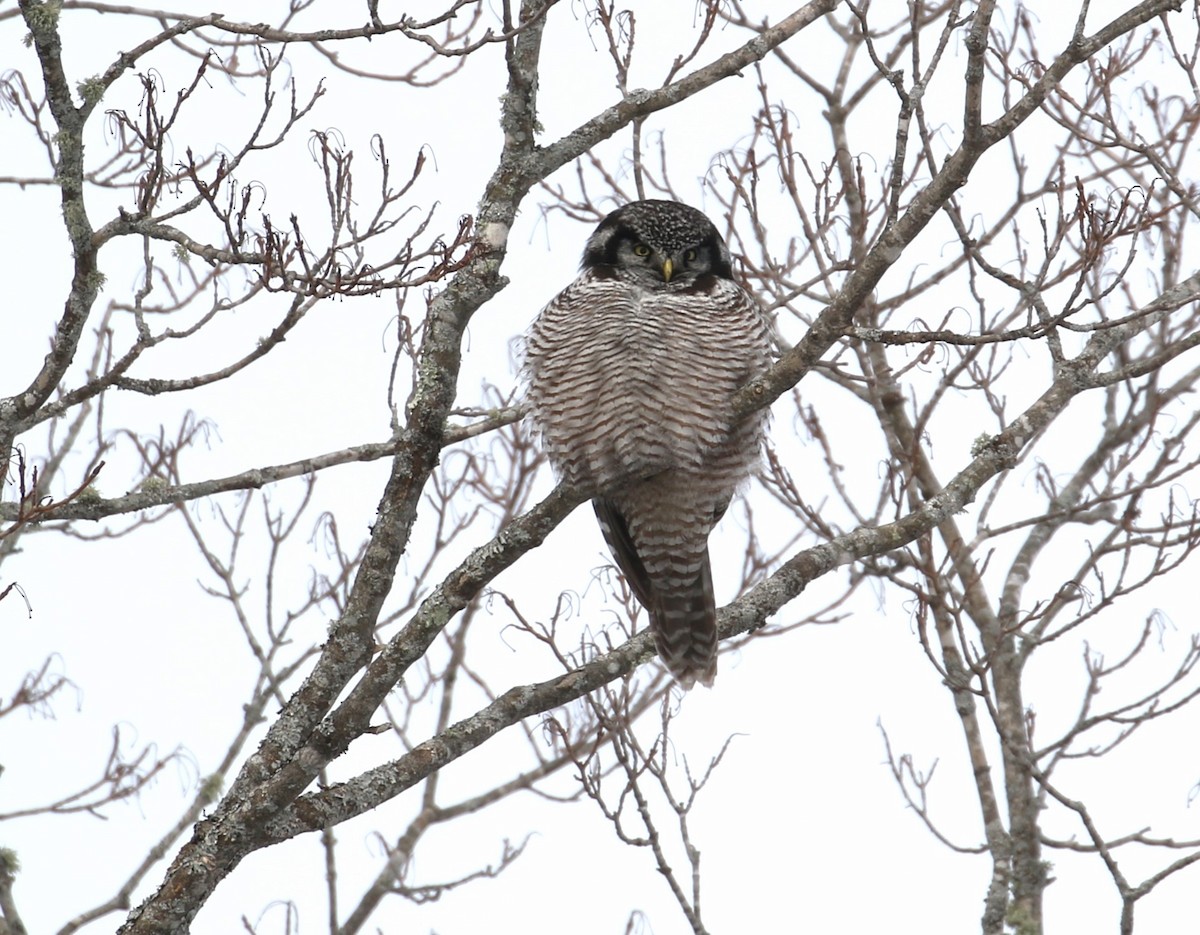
(624, 382)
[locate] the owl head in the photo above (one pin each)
(658, 244)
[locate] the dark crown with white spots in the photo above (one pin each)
(668, 226)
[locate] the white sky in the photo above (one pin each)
(802, 828)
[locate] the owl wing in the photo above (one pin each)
(616, 534)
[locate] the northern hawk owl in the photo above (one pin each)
(632, 371)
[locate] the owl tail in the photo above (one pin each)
(684, 623)
(675, 590)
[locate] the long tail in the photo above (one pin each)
(675, 586)
(684, 622)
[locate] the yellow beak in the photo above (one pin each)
(667, 269)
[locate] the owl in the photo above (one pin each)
(632, 370)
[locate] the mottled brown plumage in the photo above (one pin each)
(632, 371)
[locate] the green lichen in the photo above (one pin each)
(1021, 923)
(153, 485)
(91, 90)
(42, 17)
(210, 789)
(76, 219)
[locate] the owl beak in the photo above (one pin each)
(667, 269)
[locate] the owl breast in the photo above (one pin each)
(628, 382)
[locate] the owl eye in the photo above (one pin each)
(641, 250)
(690, 256)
